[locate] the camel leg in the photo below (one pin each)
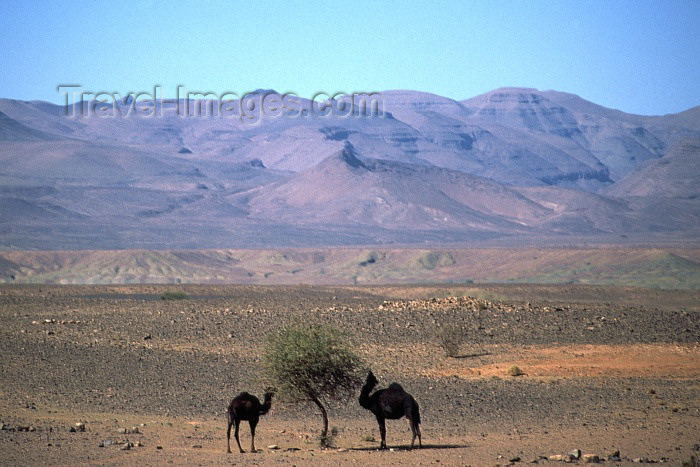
(415, 430)
(228, 435)
(382, 432)
(235, 433)
(253, 424)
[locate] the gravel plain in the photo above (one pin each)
(606, 370)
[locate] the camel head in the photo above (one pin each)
(269, 392)
(371, 380)
(267, 402)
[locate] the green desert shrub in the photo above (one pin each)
(170, 295)
(309, 362)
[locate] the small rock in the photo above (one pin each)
(126, 447)
(197, 446)
(122, 431)
(159, 448)
(80, 426)
(560, 458)
(575, 454)
(514, 459)
(590, 458)
(135, 429)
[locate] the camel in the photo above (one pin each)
(392, 403)
(246, 406)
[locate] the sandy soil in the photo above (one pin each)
(605, 370)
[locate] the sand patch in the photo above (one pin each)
(581, 361)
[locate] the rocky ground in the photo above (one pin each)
(116, 375)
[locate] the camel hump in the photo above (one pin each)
(396, 387)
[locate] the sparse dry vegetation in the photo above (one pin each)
(450, 338)
(174, 295)
(514, 371)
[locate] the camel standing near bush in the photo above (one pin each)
(392, 403)
(246, 406)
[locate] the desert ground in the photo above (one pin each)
(115, 375)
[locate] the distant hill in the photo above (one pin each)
(641, 267)
(12, 130)
(675, 175)
(511, 167)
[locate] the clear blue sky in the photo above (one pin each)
(640, 56)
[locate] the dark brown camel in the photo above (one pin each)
(246, 406)
(392, 403)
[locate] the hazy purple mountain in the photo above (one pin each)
(513, 165)
(12, 130)
(349, 189)
(675, 175)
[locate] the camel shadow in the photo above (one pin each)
(407, 448)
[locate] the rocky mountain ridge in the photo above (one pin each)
(513, 166)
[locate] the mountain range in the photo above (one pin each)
(511, 167)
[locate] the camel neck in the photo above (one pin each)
(364, 395)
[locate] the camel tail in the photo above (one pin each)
(415, 413)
